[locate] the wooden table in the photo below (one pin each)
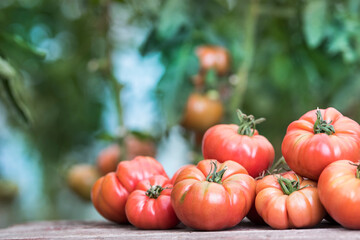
(107, 230)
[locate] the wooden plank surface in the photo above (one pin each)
(107, 230)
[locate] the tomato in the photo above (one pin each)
(139, 147)
(8, 191)
(213, 195)
(288, 201)
(202, 112)
(172, 181)
(319, 138)
(242, 144)
(214, 57)
(339, 191)
(109, 198)
(81, 177)
(149, 206)
(110, 192)
(108, 159)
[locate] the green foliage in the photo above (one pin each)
(314, 21)
(291, 56)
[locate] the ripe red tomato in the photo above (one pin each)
(202, 112)
(214, 57)
(319, 138)
(110, 192)
(213, 196)
(172, 181)
(108, 159)
(339, 191)
(288, 201)
(242, 144)
(149, 205)
(139, 147)
(81, 177)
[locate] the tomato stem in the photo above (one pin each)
(289, 186)
(154, 191)
(247, 125)
(214, 176)
(321, 126)
(357, 169)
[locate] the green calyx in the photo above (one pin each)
(289, 186)
(214, 176)
(357, 169)
(321, 126)
(247, 125)
(154, 191)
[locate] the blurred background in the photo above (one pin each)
(84, 84)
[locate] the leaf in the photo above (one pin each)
(6, 70)
(280, 71)
(314, 21)
(211, 78)
(173, 16)
(21, 43)
(14, 99)
(341, 99)
(8, 82)
(175, 86)
(106, 136)
(143, 136)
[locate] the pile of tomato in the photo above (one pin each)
(322, 149)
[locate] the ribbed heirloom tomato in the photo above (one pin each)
(240, 143)
(172, 181)
(288, 201)
(319, 138)
(149, 205)
(110, 192)
(339, 191)
(213, 196)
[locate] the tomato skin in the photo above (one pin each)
(222, 142)
(172, 181)
(149, 213)
(214, 57)
(139, 147)
(108, 159)
(308, 153)
(300, 209)
(202, 112)
(130, 173)
(109, 198)
(204, 205)
(81, 178)
(339, 191)
(110, 192)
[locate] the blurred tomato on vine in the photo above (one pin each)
(108, 159)
(202, 111)
(81, 178)
(214, 57)
(139, 146)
